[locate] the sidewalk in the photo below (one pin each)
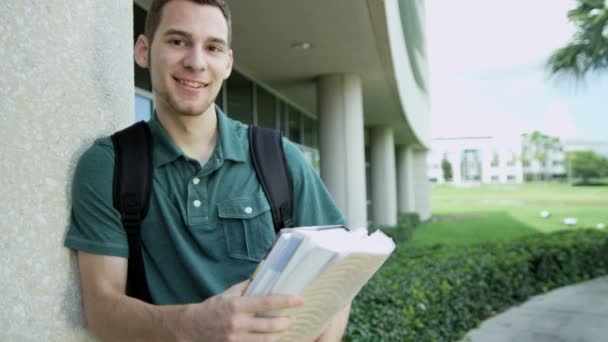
(576, 313)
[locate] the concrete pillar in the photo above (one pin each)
(67, 77)
(384, 182)
(421, 188)
(405, 180)
(342, 144)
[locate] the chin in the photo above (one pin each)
(191, 110)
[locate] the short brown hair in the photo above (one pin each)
(155, 13)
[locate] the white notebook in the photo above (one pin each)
(327, 265)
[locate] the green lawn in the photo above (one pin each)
(502, 212)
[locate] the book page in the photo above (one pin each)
(329, 293)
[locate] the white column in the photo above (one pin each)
(66, 78)
(405, 180)
(342, 144)
(384, 182)
(421, 188)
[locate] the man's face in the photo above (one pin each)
(189, 57)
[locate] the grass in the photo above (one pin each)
(501, 212)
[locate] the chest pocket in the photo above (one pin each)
(248, 227)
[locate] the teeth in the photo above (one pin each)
(191, 84)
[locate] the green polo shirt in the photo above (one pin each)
(208, 225)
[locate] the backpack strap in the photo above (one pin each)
(268, 157)
(133, 169)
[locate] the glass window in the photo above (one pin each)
(266, 109)
(143, 108)
(240, 98)
(282, 117)
(294, 125)
(219, 99)
(310, 129)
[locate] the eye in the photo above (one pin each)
(178, 42)
(213, 48)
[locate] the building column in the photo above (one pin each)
(67, 78)
(384, 183)
(421, 188)
(405, 180)
(342, 144)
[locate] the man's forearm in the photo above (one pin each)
(119, 317)
(335, 329)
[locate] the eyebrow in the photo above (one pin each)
(185, 34)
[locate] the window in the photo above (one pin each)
(143, 107)
(310, 132)
(282, 117)
(220, 99)
(266, 109)
(294, 125)
(240, 98)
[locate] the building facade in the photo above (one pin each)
(476, 160)
(543, 157)
(338, 77)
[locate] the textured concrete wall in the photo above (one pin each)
(66, 77)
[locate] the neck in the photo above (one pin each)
(195, 135)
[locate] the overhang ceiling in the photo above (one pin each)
(346, 37)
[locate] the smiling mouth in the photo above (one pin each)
(192, 84)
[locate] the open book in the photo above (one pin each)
(327, 265)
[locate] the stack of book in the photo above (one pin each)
(327, 265)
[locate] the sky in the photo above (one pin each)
(488, 76)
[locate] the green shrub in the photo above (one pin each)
(406, 223)
(439, 293)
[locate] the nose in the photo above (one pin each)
(195, 59)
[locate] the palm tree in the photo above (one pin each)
(588, 49)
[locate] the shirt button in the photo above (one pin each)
(196, 180)
(197, 203)
(248, 210)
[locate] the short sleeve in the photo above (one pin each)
(313, 204)
(95, 226)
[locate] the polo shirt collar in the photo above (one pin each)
(233, 139)
(230, 144)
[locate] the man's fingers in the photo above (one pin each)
(265, 303)
(266, 325)
(253, 337)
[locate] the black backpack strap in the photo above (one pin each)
(132, 184)
(268, 157)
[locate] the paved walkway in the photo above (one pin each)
(576, 313)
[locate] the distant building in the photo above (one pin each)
(542, 156)
(476, 160)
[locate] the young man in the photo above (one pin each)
(209, 221)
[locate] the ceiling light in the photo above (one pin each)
(301, 46)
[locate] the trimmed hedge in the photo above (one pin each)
(439, 293)
(406, 224)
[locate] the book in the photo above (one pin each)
(327, 265)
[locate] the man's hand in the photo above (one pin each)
(230, 317)
(113, 316)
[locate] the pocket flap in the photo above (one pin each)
(243, 207)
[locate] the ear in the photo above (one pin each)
(228, 70)
(142, 51)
